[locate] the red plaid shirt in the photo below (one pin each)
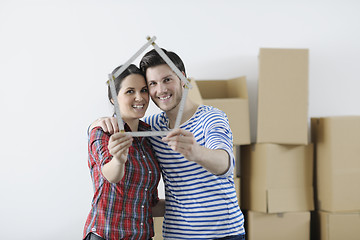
(123, 210)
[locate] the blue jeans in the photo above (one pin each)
(237, 237)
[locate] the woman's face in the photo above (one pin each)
(133, 97)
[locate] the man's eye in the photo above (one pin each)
(151, 84)
(166, 79)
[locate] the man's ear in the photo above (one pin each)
(112, 101)
(183, 83)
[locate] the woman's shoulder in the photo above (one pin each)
(97, 133)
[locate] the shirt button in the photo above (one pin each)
(142, 206)
(150, 172)
(141, 224)
(143, 156)
(146, 189)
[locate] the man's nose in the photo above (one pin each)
(162, 88)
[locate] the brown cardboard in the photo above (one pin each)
(335, 226)
(158, 222)
(337, 162)
(229, 96)
(237, 182)
(277, 178)
(279, 226)
(283, 96)
(237, 171)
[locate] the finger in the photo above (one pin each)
(109, 126)
(182, 149)
(179, 139)
(114, 123)
(119, 147)
(175, 133)
(103, 126)
(120, 137)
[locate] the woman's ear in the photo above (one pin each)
(112, 101)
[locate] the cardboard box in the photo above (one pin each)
(237, 182)
(335, 226)
(283, 96)
(158, 222)
(337, 175)
(229, 96)
(237, 171)
(279, 226)
(277, 178)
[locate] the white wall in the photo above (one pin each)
(55, 56)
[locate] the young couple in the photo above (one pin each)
(196, 162)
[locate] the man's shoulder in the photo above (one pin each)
(206, 111)
(155, 119)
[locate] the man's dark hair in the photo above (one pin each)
(152, 59)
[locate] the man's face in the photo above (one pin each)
(165, 87)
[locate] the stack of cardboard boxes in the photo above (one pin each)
(337, 174)
(277, 170)
(283, 177)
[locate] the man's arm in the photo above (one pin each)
(217, 161)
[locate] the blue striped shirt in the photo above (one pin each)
(199, 204)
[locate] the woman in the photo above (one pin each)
(124, 169)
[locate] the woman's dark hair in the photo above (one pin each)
(152, 59)
(132, 69)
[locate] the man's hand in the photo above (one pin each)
(183, 142)
(108, 124)
(216, 161)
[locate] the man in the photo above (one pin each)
(197, 160)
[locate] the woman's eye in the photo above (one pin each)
(129, 91)
(144, 90)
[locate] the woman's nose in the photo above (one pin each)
(138, 96)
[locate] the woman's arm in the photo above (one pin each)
(119, 144)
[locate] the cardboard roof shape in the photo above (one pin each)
(151, 41)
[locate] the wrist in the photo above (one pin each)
(199, 154)
(119, 161)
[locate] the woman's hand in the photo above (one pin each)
(119, 145)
